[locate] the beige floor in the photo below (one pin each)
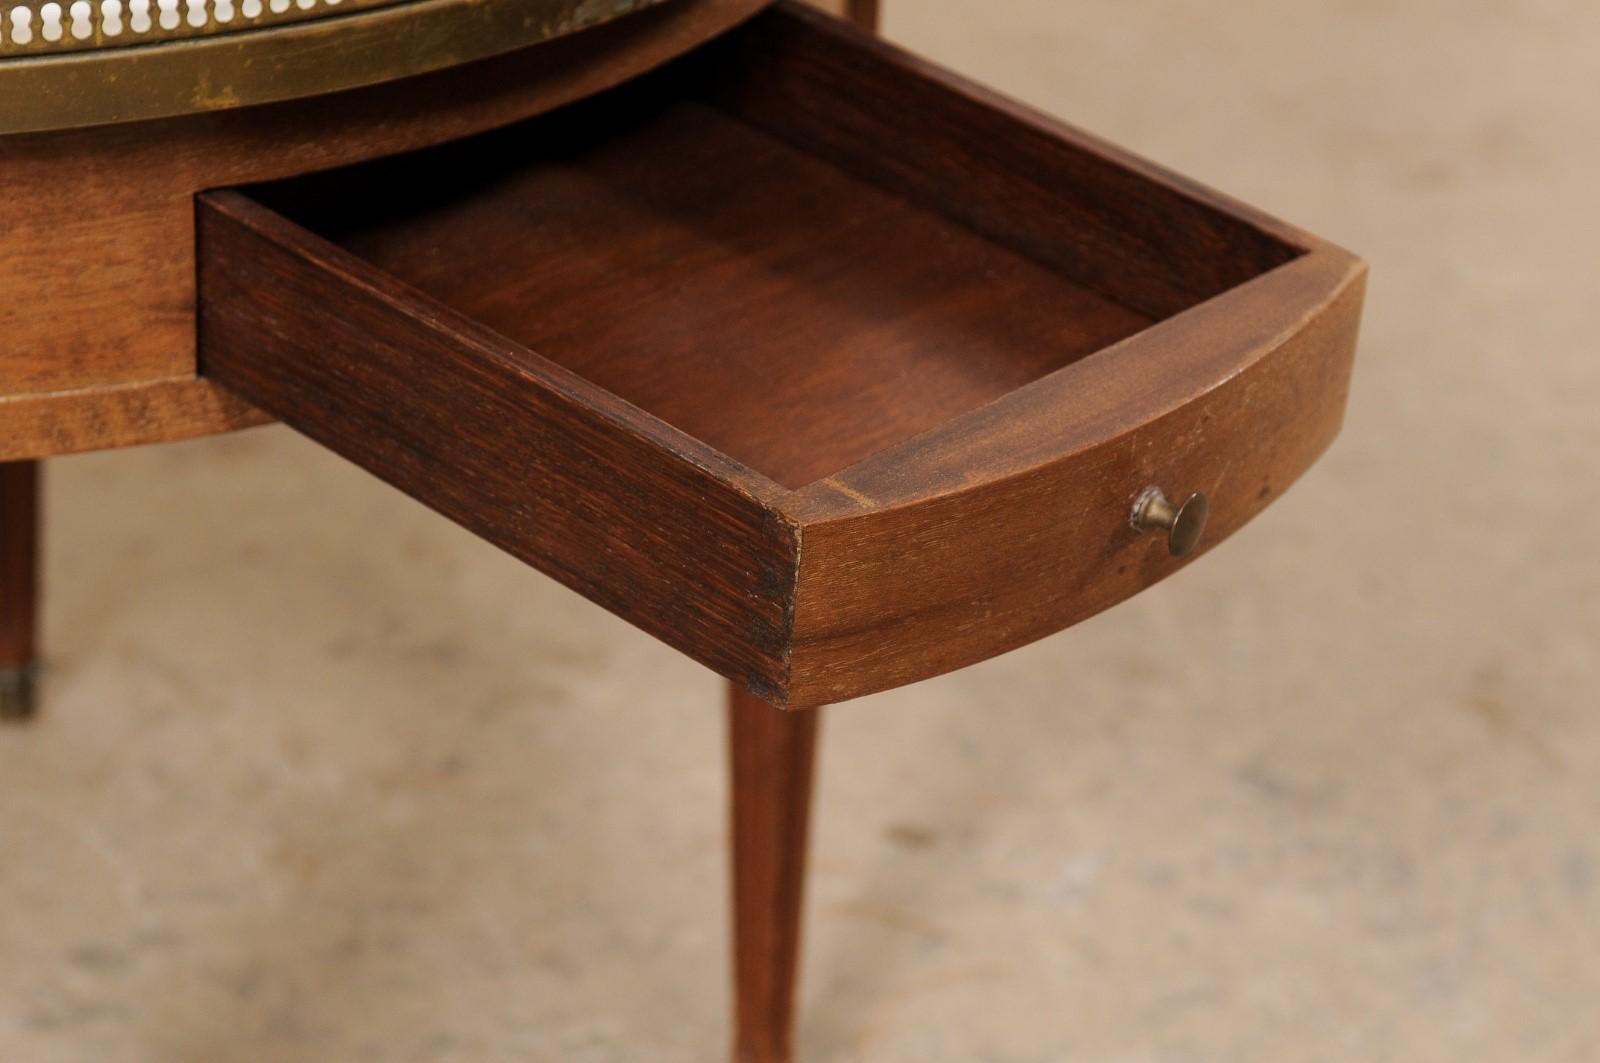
(321, 778)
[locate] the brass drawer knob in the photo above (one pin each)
(1183, 523)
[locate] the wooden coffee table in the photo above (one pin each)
(818, 363)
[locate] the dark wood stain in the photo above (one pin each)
(19, 578)
(792, 316)
(97, 225)
(823, 365)
(1149, 239)
(771, 759)
(540, 462)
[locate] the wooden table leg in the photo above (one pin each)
(772, 754)
(19, 585)
(773, 758)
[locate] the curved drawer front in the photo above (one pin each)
(1014, 522)
(826, 367)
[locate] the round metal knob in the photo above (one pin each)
(1182, 523)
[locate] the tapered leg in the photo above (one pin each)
(772, 753)
(773, 757)
(19, 585)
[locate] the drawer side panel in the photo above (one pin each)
(558, 473)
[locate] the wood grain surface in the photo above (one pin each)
(1011, 523)
(861, 320)
(537, 460)
(19, 585)
(825, 427)
(97, 225)
(1080, 206)
(772, 760)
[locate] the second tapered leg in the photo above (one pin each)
(19, 586)
(772, 757)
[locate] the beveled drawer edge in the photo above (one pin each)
(895, 588)
(1090, 402)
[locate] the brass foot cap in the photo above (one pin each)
(18, 691)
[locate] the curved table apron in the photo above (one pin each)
(97, 332)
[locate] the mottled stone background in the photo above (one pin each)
(321, 778)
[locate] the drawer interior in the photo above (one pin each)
(796, 302)
(823, 365)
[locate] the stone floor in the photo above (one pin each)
(321, 778)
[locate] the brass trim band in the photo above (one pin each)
(347, 48)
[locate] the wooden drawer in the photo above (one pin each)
(824, 366)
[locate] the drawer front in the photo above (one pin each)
(1016, 522)
(828, 368)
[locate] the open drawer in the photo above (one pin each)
(826, 367)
